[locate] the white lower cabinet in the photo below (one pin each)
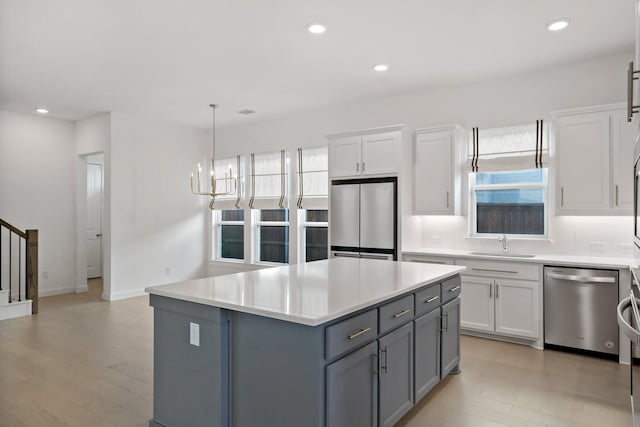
(517, 308)
(477, 304)
(501, 298)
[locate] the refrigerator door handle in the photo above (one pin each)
(347, 254)
(375, 256)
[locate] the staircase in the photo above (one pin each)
(18, 271)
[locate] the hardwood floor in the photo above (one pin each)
(85, 362)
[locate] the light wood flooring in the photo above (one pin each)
(85, 362)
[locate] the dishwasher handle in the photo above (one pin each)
(628, 330)
(581, 279)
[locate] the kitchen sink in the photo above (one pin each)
(502, 254)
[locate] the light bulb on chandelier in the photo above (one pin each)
(229, 182)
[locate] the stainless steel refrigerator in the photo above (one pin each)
(363, 220)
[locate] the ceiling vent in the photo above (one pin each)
(246, 111)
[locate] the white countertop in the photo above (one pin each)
(311, 293)
(569, 260)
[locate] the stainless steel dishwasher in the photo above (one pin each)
(580, 309)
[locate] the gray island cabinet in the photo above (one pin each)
(339, 342)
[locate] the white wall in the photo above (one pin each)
(501, 102)
(37, 191)
(93, 135)
(158, 229)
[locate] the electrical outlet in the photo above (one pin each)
(194, 334)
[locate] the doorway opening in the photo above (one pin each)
(94, 228)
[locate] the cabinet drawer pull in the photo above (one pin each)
(402, 313)
(432, 299)
(357, 334)
(617, 197)
(455, 288)
(631, 108)
(494, 271)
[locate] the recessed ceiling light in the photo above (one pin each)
(381, 67)
(42, 110)
(558, 24)
(317, 28)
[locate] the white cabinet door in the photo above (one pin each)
(583, 164)
(517, 310)
(477, 308)
(345, 157)
(433, 174)
(622, 150)
(380, 153)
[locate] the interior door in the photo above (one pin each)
(94, 220)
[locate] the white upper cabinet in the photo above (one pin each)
(593, 166)
(344, 156)
(369, 153)
(380, 153)
(623, 146)
(437, 170)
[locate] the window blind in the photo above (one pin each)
(232, 166)
(313, 178)
(508, 148)
(269, 183)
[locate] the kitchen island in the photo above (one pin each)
(340, 342)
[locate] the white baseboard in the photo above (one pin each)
(124, 295)
(80, 289)
(57, 291)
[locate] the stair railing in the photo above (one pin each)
(27, 258)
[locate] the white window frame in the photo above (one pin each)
(473, 224)
(217, 236)
(302, 240)
(257, 223)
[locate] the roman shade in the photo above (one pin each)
(313, 178)
(229, 167)
(269, 180)
(508, 148)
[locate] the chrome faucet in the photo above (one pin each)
(504, 241)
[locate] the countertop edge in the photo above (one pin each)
(157, 290)
(584, 260)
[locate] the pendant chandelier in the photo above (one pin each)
(228, 184)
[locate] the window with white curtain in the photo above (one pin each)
(269, 199)
(228, 213)
(508, 182)
(312, 202)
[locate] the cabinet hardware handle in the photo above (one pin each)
(448, 203)
(562, 196)
(99, 235)
(357, 334)
(617, 195)
(631, 76)
(497, 291)
(490, 290)
(427, 261)
(494, 271)
(357, 167)
(362, 166)
(455, 288)
(402, 313)
(384, 350)
(376, 363)
(432, 299)
(446, 320)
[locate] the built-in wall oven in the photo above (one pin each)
(629, 322)
(629, 307)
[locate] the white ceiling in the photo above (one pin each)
(170, 59)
